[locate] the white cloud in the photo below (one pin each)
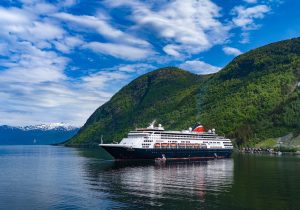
(13, 15)
(18, 24)
(69, 100)
(33, 65)
(245, 17)
(68, 3)
(199, 67)
(173, 50)
(68, 43)
(101, 79)
(101, 25)
(119, 50)
(245, 37)
(189, 26)
(33, 84)
(231, 51)
(24, 26)
(138, 68)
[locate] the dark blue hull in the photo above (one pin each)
(124, 153)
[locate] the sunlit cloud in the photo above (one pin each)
(199, 67)
(231, 51)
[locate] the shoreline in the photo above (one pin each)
(269, 151)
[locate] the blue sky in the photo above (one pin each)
(60, 60)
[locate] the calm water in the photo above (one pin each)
(47, 177)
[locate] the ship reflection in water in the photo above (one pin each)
(169, 184)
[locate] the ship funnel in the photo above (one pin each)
(198, 128)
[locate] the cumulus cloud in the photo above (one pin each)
(138, 68)
(189, 26)
(101, 25)
(119, 44)
(33, 85)
(231, 51)
(173, 50)
(199, 67)
(245, 17)
(69, 100)
(126, 52)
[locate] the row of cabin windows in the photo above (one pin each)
(191, 138)
(148, 140)
(187, 136)
(212, 142)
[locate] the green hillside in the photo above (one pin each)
(255, 97)
(167, 95)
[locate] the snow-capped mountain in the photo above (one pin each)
(51, 133)
(50, 126)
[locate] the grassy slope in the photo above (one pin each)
(253, 98)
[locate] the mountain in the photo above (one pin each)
(165, 95)
(253, 98)
(36, 134)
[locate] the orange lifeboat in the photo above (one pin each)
(181, 145)
(189, 145)
(157, 145)
(197, 145)
(164, 145)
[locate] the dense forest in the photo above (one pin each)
(255, 97)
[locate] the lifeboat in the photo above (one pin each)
(173, 145)
(189, 145)
(196, 145)
(181, 145)
(164, 145)
(157, 145)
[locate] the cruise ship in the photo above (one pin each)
(157, 143)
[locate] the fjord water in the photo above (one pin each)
(49, 177)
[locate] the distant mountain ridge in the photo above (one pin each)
(50, 126)
(255, 97)
(51, 133)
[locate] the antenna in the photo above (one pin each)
(153, 122)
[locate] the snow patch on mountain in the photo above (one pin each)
(50, 126)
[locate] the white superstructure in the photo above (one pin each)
(156, 137)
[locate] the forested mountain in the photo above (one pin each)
(254, 97)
